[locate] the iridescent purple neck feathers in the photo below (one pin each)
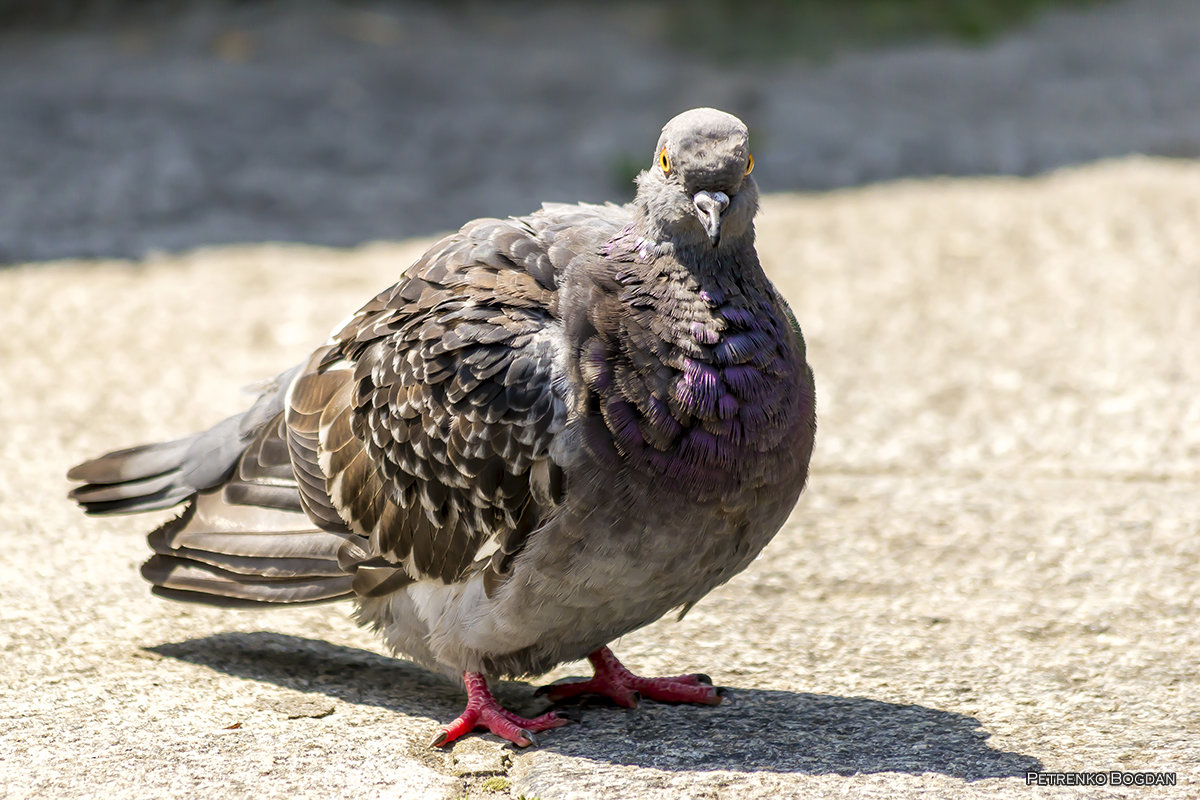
(695, 373)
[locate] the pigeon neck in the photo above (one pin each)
(700, 259)
(687, 243)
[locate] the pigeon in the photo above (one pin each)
(551, 431)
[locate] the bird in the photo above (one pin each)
(552, 430)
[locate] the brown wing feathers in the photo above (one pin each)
(399, 449)
(453, 401)
(307, 401)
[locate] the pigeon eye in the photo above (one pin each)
(749, 164)
(664, 162)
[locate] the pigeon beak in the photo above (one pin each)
(709, 207)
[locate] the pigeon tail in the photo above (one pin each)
(156, 476)
(232, 555)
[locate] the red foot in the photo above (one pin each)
(484, 712)
(614, 681)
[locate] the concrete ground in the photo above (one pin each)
(994, 569)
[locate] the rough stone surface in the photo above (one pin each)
(480, 756)
(337, 123)
(994, 569)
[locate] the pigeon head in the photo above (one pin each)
(699, 191)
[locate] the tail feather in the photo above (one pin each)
(184, 579)
(224, 553)
(133, 463)
(93, 493)
(276, 544)
(243, 538)
(155, 501)
(156, 476)
(218, 601)
(145, 478)
(314, 552)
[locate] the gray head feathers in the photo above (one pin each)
(699, 191)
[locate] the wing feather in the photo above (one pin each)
(425, 426)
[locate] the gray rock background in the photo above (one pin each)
(994, 568)
(342, 123)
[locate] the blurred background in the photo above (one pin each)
(133, 127)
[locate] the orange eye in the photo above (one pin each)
(664, 162)
(749, 164)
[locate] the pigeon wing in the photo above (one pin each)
(426, 425)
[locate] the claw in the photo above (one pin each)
(483, 711)
(614, 681)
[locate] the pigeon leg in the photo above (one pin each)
(614, 681)
(483, 711)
